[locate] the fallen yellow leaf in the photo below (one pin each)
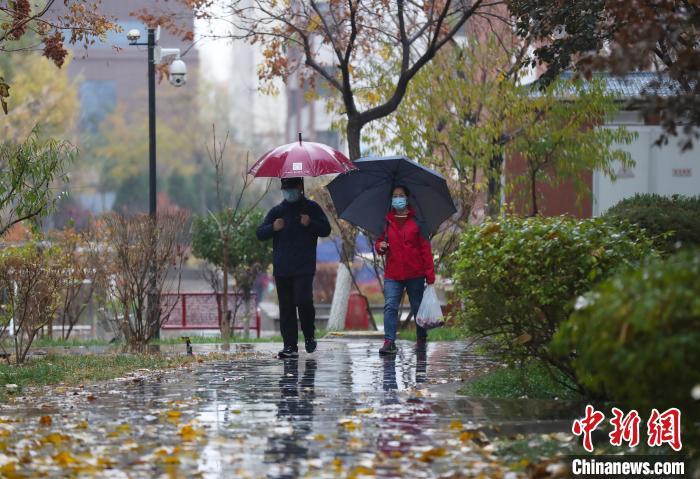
(81, 425)
(367, 410)
(9, 471)
(122, 429)
(361, 471)
(45, 420)
(456, 425)
(190, 433)
(431, 454)
(64, 459)
(55, 438)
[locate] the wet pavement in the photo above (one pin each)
(342, 412)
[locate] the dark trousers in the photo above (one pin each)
(296, 293)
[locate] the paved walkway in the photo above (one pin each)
(341, 412)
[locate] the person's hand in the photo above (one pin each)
(278, 224)
(383, 246)
(305, 220)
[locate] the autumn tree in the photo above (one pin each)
(343, 43)
(458, 115)
(41, 95)
(469, 110)
(49, 26)
(566, 136)
(622, 36)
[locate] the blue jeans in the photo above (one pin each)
(392, 297)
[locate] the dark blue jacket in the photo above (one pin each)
(294, 247)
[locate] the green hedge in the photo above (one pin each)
(672, 220)
(518, 278)
(636, 337)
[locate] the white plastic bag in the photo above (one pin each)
(430, 313)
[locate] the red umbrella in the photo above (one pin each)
(301, 158)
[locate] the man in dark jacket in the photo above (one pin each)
(295, 226)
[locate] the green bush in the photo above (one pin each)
(636, 338)
(518, 278)
(671, 220)
(246, 255)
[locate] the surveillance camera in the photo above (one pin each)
(177, 73)
(133, 35)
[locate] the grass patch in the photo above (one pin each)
(57, 343)
(77, 369)
(532, 380)
(437, 334)
(52, 343)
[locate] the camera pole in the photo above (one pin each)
(152, 300)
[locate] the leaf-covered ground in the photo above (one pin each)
(341, 412)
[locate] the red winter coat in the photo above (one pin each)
(409, 255)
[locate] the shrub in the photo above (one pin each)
(32, 277)
(669, 219)
(517, 278)
(636, 337)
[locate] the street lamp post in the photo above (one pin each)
(177, 76)
(133, 37)
(151, 43)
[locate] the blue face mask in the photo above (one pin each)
(399, 203)
(291, 195)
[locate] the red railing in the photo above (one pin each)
(204, 311)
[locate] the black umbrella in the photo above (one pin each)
(363, 196)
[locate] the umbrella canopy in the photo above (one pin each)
(363, 197)
(301, 158)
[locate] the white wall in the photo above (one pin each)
(662, 170)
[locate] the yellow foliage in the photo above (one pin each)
(41, 94)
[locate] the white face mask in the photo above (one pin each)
(291, 195)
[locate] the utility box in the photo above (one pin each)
(357, 316)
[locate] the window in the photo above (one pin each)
(97, 100)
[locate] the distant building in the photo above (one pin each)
(664, 170)
(113, 72)
(257, 119)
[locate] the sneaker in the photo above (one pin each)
(288, 352)
(310, 345)
(388, 348)
(421, 344)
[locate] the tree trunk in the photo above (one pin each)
(341, 296)
(225, 324)
(533, 188)
(493, 201)
(343, 279)
(246, 313)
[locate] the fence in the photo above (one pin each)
(204, 311)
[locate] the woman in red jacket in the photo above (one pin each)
(409, 265)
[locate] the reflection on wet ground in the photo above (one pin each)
(340, 412)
